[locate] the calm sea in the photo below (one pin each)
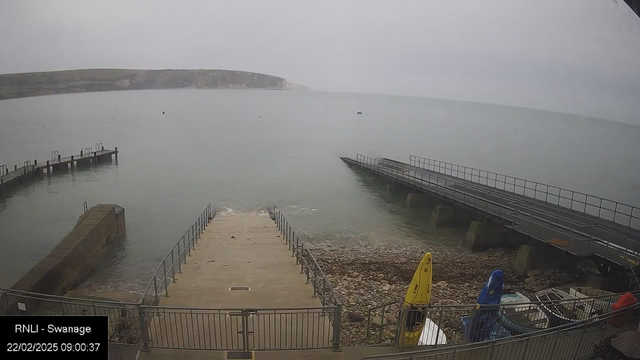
(243, 150)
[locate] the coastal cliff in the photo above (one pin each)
(90, 80)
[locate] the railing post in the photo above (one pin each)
(301, 256)
(337, 327)
(144, 330)
(193, 229)
(179, 257)
(173, 267)
(164, 272)
(155, 290)
(439, 326)
(293, 247)
(184, 246)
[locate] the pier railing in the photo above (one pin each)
(172, 262)
(543, 228)
(573, 340)
(611, 210)
(304, 257)
(315, 275)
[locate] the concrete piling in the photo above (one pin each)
(450, 216)
(484, 234)
(415, 200)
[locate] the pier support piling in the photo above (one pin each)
(415, 200)
(450, 216)
(484, 234)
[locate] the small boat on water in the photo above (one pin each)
(520, 316)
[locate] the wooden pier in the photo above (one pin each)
(28, 170)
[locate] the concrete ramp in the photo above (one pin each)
(241, 261)
(241, 290)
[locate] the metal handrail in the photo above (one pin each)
(441, 314)
(546, 302)
(579, 325)
(518, 183)
(58, 298)
(188, 241)
(478, 202)
(308, 263)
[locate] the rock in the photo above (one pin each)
(384, 282)
(233, 237)
(548, 272)
(528, 280)
(355, 317)
(380, 276)
(386, 287)
(472, 295)
(352, 301)
(441, 283)
(391, 319)
(534, 272)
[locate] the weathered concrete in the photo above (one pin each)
(484, 234)
(525, 260)
(531, 257)
(396, 189)
(416, 200)
(450, 216)
(242, 250)
(78, 253)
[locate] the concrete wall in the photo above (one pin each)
(78, 253)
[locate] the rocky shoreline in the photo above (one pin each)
(364, 278)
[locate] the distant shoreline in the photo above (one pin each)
(20, 85)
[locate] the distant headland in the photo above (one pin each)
(91, 80)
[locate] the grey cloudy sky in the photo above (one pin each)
(576, 56)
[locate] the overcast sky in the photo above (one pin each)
(576, 56)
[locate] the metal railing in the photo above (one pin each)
(124, 318)
(615, 211)
(569, 341)
(539, 226)
(458, 324)
(242, 329)
(172, 262)
(304, 257)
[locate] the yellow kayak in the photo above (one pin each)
(418, 296)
